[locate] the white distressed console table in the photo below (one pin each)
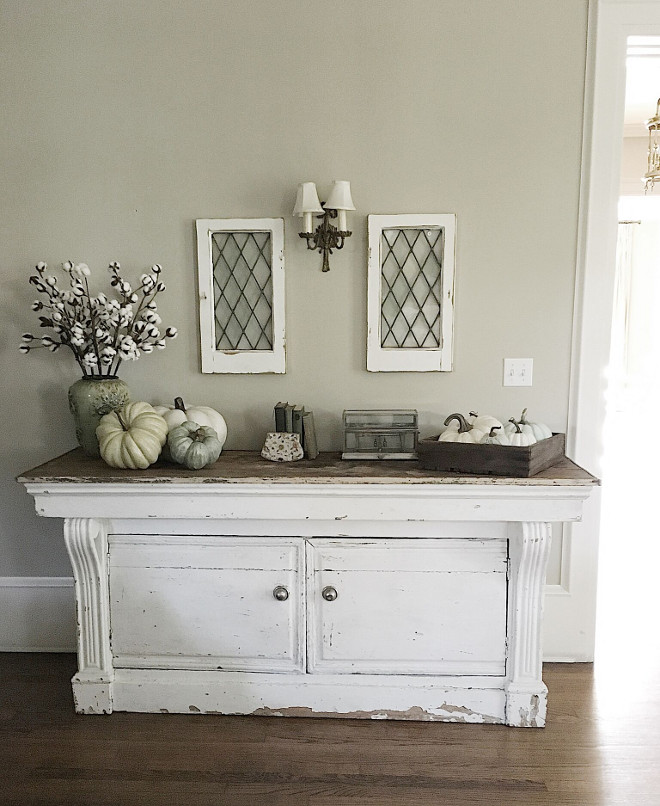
(325, 588)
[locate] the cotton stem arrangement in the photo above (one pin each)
(101, 331)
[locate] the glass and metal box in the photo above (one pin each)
(380, 434)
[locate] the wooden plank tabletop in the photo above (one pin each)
(248, 467)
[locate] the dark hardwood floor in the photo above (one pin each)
(601, 746)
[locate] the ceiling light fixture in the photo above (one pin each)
(652, 174)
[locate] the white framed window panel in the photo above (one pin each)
(410, 294)
(240, 265)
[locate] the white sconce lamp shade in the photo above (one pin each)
(340, 196)
(307, 199)
(326, 236)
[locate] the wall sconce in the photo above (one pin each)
(326, 236)
(652, 174)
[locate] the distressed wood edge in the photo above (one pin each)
(437, 359)
(341, 696)
(92, 696)
(526, 693)
(526, 707)
(86, 541)
(243, 362)
(247, 467)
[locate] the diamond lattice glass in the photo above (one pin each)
(243, 290)
(411, 272)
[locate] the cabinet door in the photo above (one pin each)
(407, 606)
(191, 602)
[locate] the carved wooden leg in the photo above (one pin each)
(526, 694)
(87, 543)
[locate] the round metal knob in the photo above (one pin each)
(281, 593)
(329, 593)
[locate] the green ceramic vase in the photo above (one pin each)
(89, 399)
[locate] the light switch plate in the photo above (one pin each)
(518, 371)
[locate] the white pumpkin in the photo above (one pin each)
(519, 436)
(202, 415)
(484, 422)
(497, 436)
(131, 437)
(540, 430)
(513, 427)
(464, 432)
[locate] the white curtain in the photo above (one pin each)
(621, 319)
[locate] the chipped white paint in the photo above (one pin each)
(416, 359)
(440, 606)
(323, 502)
(207, 604)
(526, 692)
(87, 544)
(192, 576)
(416, 697)
(240, 361)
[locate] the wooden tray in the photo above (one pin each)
(491, 460)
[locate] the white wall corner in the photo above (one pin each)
(38, 614)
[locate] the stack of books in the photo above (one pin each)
(297, 420)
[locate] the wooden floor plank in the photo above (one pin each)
(595, 751)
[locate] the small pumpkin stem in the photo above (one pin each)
(517, 425)
(523, 417)
(178, 404)
(121, 422)
(463, 425)
(493, 430)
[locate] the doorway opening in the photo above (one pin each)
(629, 539)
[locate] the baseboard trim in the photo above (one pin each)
(38, 614)
(36, 582)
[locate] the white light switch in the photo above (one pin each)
(518, 371)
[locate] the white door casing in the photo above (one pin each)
(570, 607)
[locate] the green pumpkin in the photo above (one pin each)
(194, 446)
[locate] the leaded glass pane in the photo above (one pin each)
(411, 273)
(242, 290)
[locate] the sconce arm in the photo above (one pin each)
(326, 237)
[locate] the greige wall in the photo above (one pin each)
(123, 122)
